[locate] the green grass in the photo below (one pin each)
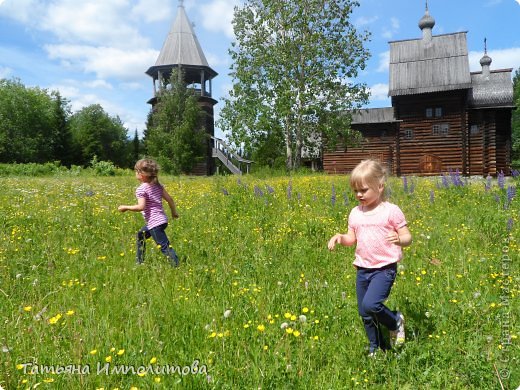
(71, 295)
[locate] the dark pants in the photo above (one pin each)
(372, 289)
(159, 236)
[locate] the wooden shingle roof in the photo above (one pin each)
(374, 115)
(491, 90)
(419, 66)
(181, 47)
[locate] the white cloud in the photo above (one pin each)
(384, 61)
(363, 21)
(105, 62)
(379, 92)
(217, 16)
(518, 1)
(504, 58)
(101, 23)
(5, 72)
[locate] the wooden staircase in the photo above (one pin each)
(231, 160)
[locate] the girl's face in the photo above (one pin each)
(368, 197)
(139, 176)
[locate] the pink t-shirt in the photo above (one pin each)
(371, 228)
(153, 212)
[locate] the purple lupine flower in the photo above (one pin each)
(515, 173)
(511, 192)
(497, 198)
(405, 184)
(488, 182)
(412, 187)
(289, 190)
(510, 224)
(270, 189)
(258, 191)
(298, 196)
(432, 196)
(501, 180)
(314, 198)
(345, 199)
(225, 192)
(445, 182)
(333, 195)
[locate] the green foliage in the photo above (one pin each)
(175, 134)
(102, 168)
(253, 257)
(293, 66)
(96, 133)
(32, 124)
(33, 169)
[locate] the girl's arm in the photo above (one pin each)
(171, 203)
(348, 239)
(401, 237)
(141, 203)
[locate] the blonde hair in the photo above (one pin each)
(368, 173)
(149, 168)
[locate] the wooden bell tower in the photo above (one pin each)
(181, 50)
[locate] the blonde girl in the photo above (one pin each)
(379, 230)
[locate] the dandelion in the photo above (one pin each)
(305, 310)
(261, 328)
(302, 318)
(296, 333)
(93, 352)
(108, 359)
(265, 348)
(153, 360)
(70, 312)
(157, 379)
(289, 330)
(287, 315)
(284, 325)
(27, 308)
(227, 313)
(54, 320)
(120, 352)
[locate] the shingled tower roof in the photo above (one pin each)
(181, 48)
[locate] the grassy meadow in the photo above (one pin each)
(258, 301)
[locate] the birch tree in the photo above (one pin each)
(294, 69)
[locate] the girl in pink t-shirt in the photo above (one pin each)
(379, 230)
(150, 195)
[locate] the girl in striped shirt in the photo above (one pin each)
(149, 202)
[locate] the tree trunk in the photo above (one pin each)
(288, 145)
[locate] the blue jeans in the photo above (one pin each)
(160, 238)
(372, 289)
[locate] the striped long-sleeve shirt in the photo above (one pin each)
(153, 212)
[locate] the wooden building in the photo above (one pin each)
(443, 117)
(181, 50)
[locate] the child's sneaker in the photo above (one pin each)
(398, 336)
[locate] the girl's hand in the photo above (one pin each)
(336, 239)
(393, 238)
(175, 214)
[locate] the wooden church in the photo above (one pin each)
(443, 117)
(182, 50)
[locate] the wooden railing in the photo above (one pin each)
(230, 159)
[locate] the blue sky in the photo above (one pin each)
(96, 51)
